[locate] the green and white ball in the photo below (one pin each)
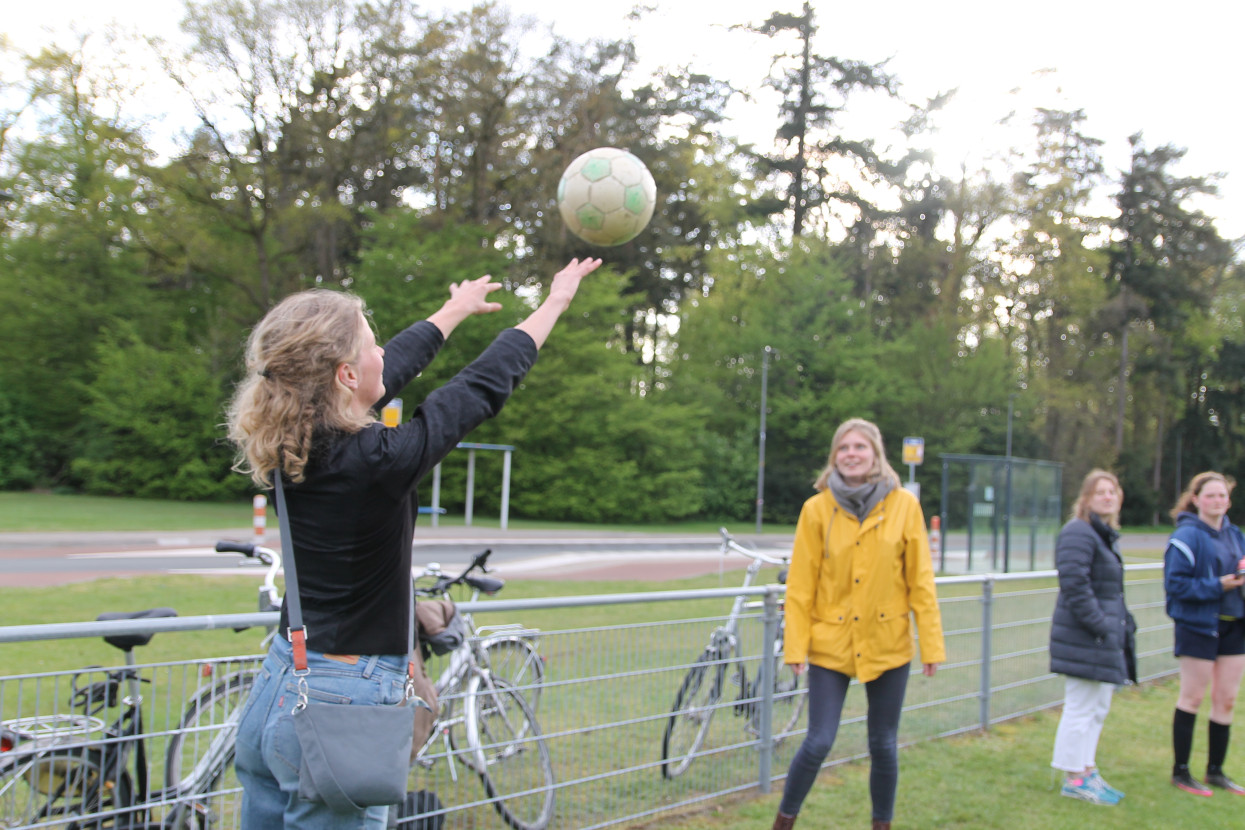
(606, 196)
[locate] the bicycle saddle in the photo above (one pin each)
(126, 642)
(486, 584)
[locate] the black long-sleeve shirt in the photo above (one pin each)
(352, 519)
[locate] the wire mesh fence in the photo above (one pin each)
(640, 716)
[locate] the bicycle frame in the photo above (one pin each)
(480, 697)
(701, 690)
(465, 662)
(725, 638)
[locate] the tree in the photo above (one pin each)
(71, 268)
(815, 90)
(150, 429)
(1166, 258)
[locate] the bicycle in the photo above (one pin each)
(701, 690)
(488, 695)
(215, 710)
(74, 770)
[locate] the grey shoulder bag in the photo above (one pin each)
(354, 756)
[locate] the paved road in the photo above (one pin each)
(28, 559)
(58, 558)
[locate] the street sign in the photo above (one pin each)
(913, 450)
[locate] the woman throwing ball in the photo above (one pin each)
(306, 412)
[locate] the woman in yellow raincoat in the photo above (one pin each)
(861, 563)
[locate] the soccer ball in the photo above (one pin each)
(606, 196)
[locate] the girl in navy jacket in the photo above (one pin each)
(1200, 575)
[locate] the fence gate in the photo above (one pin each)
(999, 514)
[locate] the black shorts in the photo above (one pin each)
(1231, 640)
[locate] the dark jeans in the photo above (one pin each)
(826, 691)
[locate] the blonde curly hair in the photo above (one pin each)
(291, 388)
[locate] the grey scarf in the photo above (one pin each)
(859, 501)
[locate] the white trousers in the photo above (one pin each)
(1085, 707)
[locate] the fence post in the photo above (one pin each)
(765, 683)
(987, 647)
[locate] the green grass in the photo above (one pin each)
(1002, 779)
(57, 512)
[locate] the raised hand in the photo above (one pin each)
(561, 292)
(566, 281)
(472, 295)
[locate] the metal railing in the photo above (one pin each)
(610, 683)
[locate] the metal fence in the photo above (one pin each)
(609, 687)
(1003, 513)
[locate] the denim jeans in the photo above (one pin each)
(268, 754)
(827, 690)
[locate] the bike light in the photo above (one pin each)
(8, 740)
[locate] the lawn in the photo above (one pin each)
(1002, 779)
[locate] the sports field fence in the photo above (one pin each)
(608, 692)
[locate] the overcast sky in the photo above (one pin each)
(1173, 71)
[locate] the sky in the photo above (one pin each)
(1172, 71)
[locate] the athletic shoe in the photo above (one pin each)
(1101, 783)
(1085, 789)
(1184, 780)
(1223, 782)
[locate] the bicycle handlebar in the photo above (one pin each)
(485, 584)
(729, 543)
(251, 550)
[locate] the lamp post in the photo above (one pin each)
(761, 446)
(1007, 498)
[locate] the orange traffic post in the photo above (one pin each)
(260, 516)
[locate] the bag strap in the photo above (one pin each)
(298, 629)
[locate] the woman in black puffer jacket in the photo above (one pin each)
(1091, 634)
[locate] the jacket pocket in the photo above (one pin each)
(829, 632)
(1115, 636)
(894, 635)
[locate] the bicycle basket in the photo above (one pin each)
(441, 628)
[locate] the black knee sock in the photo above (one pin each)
(1182, 736)
(1218, 745)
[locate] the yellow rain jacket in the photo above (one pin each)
(852, 584)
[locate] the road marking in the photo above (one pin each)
(571, 559)
(235, 571)
(163, 553)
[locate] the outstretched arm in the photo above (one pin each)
(466, 298)
(565, 283)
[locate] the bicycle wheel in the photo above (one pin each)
(65, 790)
(788, 703)
(693, 710)
(511, 756)
(515, 660)
(202, 748)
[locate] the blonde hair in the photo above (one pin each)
(291, 389)
(881, 467)
(1080, 507)
(1195, 489)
